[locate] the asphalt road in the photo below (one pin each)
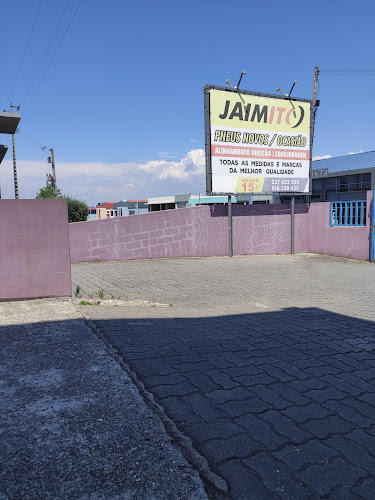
(266, 363)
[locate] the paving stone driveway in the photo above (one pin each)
(266, 363)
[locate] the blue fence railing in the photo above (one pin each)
(348, 213)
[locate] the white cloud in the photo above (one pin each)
(355, 152)
(193, 140)
(166, 154)
(321, 157)
(193, 164)
(99, 181)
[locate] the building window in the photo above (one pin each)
(348, 213)
(365, 180)
(316, 189)
(345, 187)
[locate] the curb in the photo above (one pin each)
(216, 485)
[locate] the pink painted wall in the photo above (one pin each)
(184, 232)
(203, 231)
(352, 242)
(34, 249)
(266, 229)
(189, 232)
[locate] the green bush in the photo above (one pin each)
(78, 211)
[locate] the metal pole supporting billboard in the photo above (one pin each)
(230, 231)
(292, 224)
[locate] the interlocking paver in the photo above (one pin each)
(322, 395)
(353, 452)
(277, 477)
(240, 446)
(291, 394)
(244, 483)
(225, 395)
(270, 396)
(222, 378)
(220, 429)
(336, 473)
(349, 413)
(266, 363)
(331, 425)
(286, 426)
(364, 438)
(204, 408)
(301, 414)
(238, 408)
(180, 411)
(366, 489)
(299, 456)
(261, 431)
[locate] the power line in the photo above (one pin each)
(373, 70)
(53, 57)
(45, 53)
(35, 142)
(348, 72)
(23, 57)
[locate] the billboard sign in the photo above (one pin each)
(256, 143)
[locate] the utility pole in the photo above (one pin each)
(14, 158)
(51, 160)
(314, 103)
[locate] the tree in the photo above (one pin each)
(78, 211)
(46, 192)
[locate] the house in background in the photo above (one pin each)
(130, 207)
(108, 210)
(168, 202)
(105, 210)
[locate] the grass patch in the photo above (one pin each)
(88, 303)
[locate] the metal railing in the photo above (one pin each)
(348, 213)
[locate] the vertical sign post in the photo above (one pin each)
(230, 230)
(292, 224)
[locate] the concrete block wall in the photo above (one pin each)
(266, 229)
(171, 233)
(352, 242)
(203, 231)
(189, 232)
(34, 249)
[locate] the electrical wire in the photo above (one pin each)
(45, 53)
(347, 72)
(53, 57)
(36, 143)
(23, 57)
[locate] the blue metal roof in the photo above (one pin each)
(348, 162)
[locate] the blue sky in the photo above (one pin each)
(121, 102)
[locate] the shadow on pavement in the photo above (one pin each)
(72, 423)
(280, 403)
